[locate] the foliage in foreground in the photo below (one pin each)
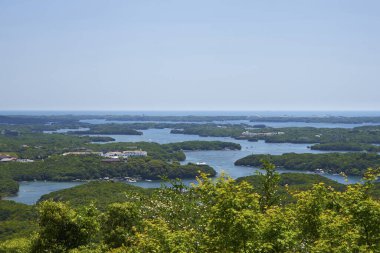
(221, 216)
(16, 220)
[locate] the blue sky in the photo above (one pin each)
(189, 55)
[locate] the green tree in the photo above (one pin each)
(231, 215)
(17, 245)
(62, 228)
(268, 186)
(120, 224)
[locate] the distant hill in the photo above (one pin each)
(16, 220)
(100, 193)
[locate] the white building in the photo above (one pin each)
(82, 153)
(126, 154)
(24, 160)
(135, 153)
(250, 134)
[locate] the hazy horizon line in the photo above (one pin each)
(189, 110)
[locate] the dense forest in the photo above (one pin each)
(212, 130)
(368, 135)
(346, 146)
(40, 146)
(16, 220)
(123, 129)
(187, 118)
(248, 215)
(71, 167)
(202, 145)
(8, 186)
(326, 119)
(348, 163)
(99, 193)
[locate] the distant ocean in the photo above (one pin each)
(202, 113)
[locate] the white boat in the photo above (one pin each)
(130, 180)
(201, 163)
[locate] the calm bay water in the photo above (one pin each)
(30, 192)
(222, 161)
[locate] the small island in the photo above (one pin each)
(334, 163)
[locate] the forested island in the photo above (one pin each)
(44, 160)
(68, 168)
(368, 134)
(203, 145)
(123, 129)
(214, 130)
(318, 119)
(346, 146)
(187, 118)
(348, 163)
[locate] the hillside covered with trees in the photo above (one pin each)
(348, 163)
(68, 168)
(220, 216)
